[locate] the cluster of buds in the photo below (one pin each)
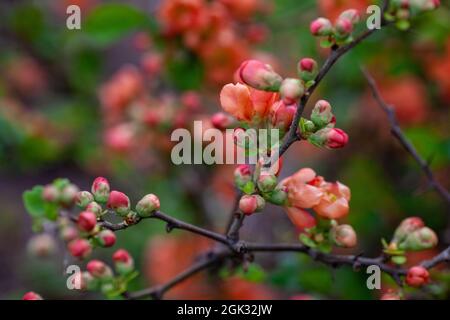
(60, 192)
(320, 130)
(338, 33)
(100, 277)
(413, 235)
(401, 11)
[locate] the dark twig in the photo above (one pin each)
(407, 145)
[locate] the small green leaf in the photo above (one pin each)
(402, 25)
(34, 203)
(255, 273)
(248, 188)
(398, 259)
(307, 241)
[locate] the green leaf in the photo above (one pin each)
(307, 241)
(249, 187)
(110, 22)
(34, 203)
(255, 273)
(51, 211)
(398, 259)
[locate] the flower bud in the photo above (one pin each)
(281, 115)
(417, 276)
(50, 193)
(321, 114)
(259, 75)
(147, 205)
(242, 175)
(68, 194)
(291, 90)
(123, 261)
(119, 202)
(83, 198)
(278, 196)
(350, 14)
(95, 208)
(321, 27)
(332, 138)
(406, 227)
(267, 182)
(86, 221)
(31, 296)
(87, 281)
(344, 236)
(68, 233)
(307, 69)
(100, 189)
(421, 239)
(251, 203)
(98, 269)
(41, 245)
(107, 238)
(343, 27)
(79, 248)
(391, 295)
(191, 100)
(222, 121)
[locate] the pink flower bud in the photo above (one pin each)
(31, 296)
(281, 116)
(267, 182)
(291, 90)
(95, 208)
(344, 236)
(307, 69)
(124, 263)
(222, 121)
(259, 75)
(248, 204)
(417, 276)
(242, 175)
(344, 27)
(100, 189)
(423, 238)
(321, 27)
(191, 100)
(107, 238)
(98, 269)
(119, 202)
(86, 221)
(50, 193)
(79, 248)
(406, 227)
(83, 198)
(350, 14)
(68, 195)
(332, 138)
(68, 233)
(151, 63)
(391, 295)
(147, 205)
(41, 245)
(300, 218)
(321, 114)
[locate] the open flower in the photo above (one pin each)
(302, 189)
(245, 103)
(334, 202)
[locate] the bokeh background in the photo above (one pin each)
(103, 100)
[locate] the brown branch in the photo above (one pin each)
(406, 144)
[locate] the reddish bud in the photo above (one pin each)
(344, 236)
(248, 204)
(50, 193)
(259, 75)
(98, 269)
(68, 194)
(291, 90)
(95, 208)
(119, 202)
(107, 238)
(307, 69)
(222, 121)
(191, 100)
(267, 182)
(147, 205)
(86, 221)
(344, 27)
(351, 14)
(41, 245)
(68, 233)
(124, 263)
(100, 189)
(332, 138)
(79, 248)
(31, 296)
(83, 198)
(321, 27)
(281, 115)
(321, 114)
(406, 227)
(417, 276)
(151, 63)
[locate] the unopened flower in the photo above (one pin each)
(98, 269)
(100, 189)
(406, 227)
(391, 295)
(68, 233)
(417, 276)
(307, 69)
(344, 236)
(191, 100)
(31, 296)
(147, 205)
(321, 114)
(83, 198)
(266, 182)
(87, 221)
(50, 193)
(278, 196)
(251, 203)
(281, 116)
(41, 245)
(300, 218)
(80, 248)
(321, 27)
(222, 121)
(332, 138)
(350, 14)
(344, 27)
(242, 175)
(291, 90)
(107, 238)
(123, 262)
(421, 239)
(68, 194)
(119, 202)
(259, 75)
(95, 208)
